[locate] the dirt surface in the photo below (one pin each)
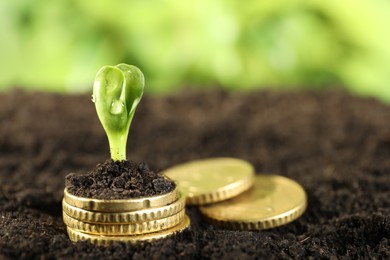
(118, 180)
(335, 145)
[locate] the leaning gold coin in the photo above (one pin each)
(76, 235)
(212, 180)
(273, 201)
(120, 205)
(124, 217)
(125, 229)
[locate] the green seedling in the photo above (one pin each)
(117, 90)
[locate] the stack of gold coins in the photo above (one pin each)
(231, 196)
(103, 222)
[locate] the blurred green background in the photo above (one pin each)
(242, 45)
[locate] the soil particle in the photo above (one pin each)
(118, 180)
(334, 144)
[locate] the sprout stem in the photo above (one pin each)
(118, 146)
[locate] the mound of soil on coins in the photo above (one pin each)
(118, 180)
(335, 145)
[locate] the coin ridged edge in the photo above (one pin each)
(121, 205)
(125, 229)
(124, 217)
(230, 191)
(75, 235)
(265, 223)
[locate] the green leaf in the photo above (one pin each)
(117, 90)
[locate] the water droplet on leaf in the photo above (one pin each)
(117, 107)
(93, 99)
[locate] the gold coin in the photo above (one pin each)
(124, 217)
(273, 201)
(212, 180)
(75, 235)
(120, 205)
(125, 229)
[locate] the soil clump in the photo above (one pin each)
(118, 180)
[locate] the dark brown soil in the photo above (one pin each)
(335, 145)
(118, 180)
